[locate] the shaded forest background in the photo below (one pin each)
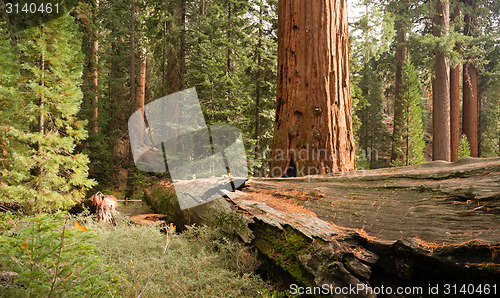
(68, 87)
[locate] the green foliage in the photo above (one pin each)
(368, 42)
(52, 258)
(109, 22)
(408, 141)
(373, 136)
(490, 142)
(463, 147)
(230, 58)
(9, 91)
(44, 172)
(202, 261)
(374, 28)
(199, 262)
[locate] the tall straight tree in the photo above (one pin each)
(133, 104)
(313, 126)
(409, 137)
(455, 96)
(401, 58)
(441, 145)
(53, 174)
(257, 87)
(176, 43)
(469, 112)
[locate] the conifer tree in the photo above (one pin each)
(109, 150)
(464, 147)
(375, 29)
(87, 16)
(12, 169)
(409, 137)
(441, 145)
(54, 174)
(373, 135)
(261, 79)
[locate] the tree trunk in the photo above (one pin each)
(469, 116)
(441, 144)
(313, 127)
(133, 105)
(176, 50)
(41, 123)
(455, 100)
(95, 74)
(201, 14)
(258, 99)
(401, 58)
(141, 91)
(182, 55)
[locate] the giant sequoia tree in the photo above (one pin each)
(313, 127)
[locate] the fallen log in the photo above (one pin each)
(395, 227)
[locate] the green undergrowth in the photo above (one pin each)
(46, 256)
(124, 260)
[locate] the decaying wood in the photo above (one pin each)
(434, 223)
(146, 219)
(105, 206)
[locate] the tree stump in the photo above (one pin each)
(105, 207)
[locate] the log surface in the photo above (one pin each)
(436, 222)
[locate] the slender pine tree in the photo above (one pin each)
(54, 175)
(409, 137)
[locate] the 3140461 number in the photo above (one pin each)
(470, 289)
(31, 8)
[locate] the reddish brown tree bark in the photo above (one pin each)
(313, 127)
(455, 100)
(469, 113)
(441, 144)
(401, 58)
(141, 90)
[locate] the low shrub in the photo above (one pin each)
(52, 256)
(49, 257)
(199, 262)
